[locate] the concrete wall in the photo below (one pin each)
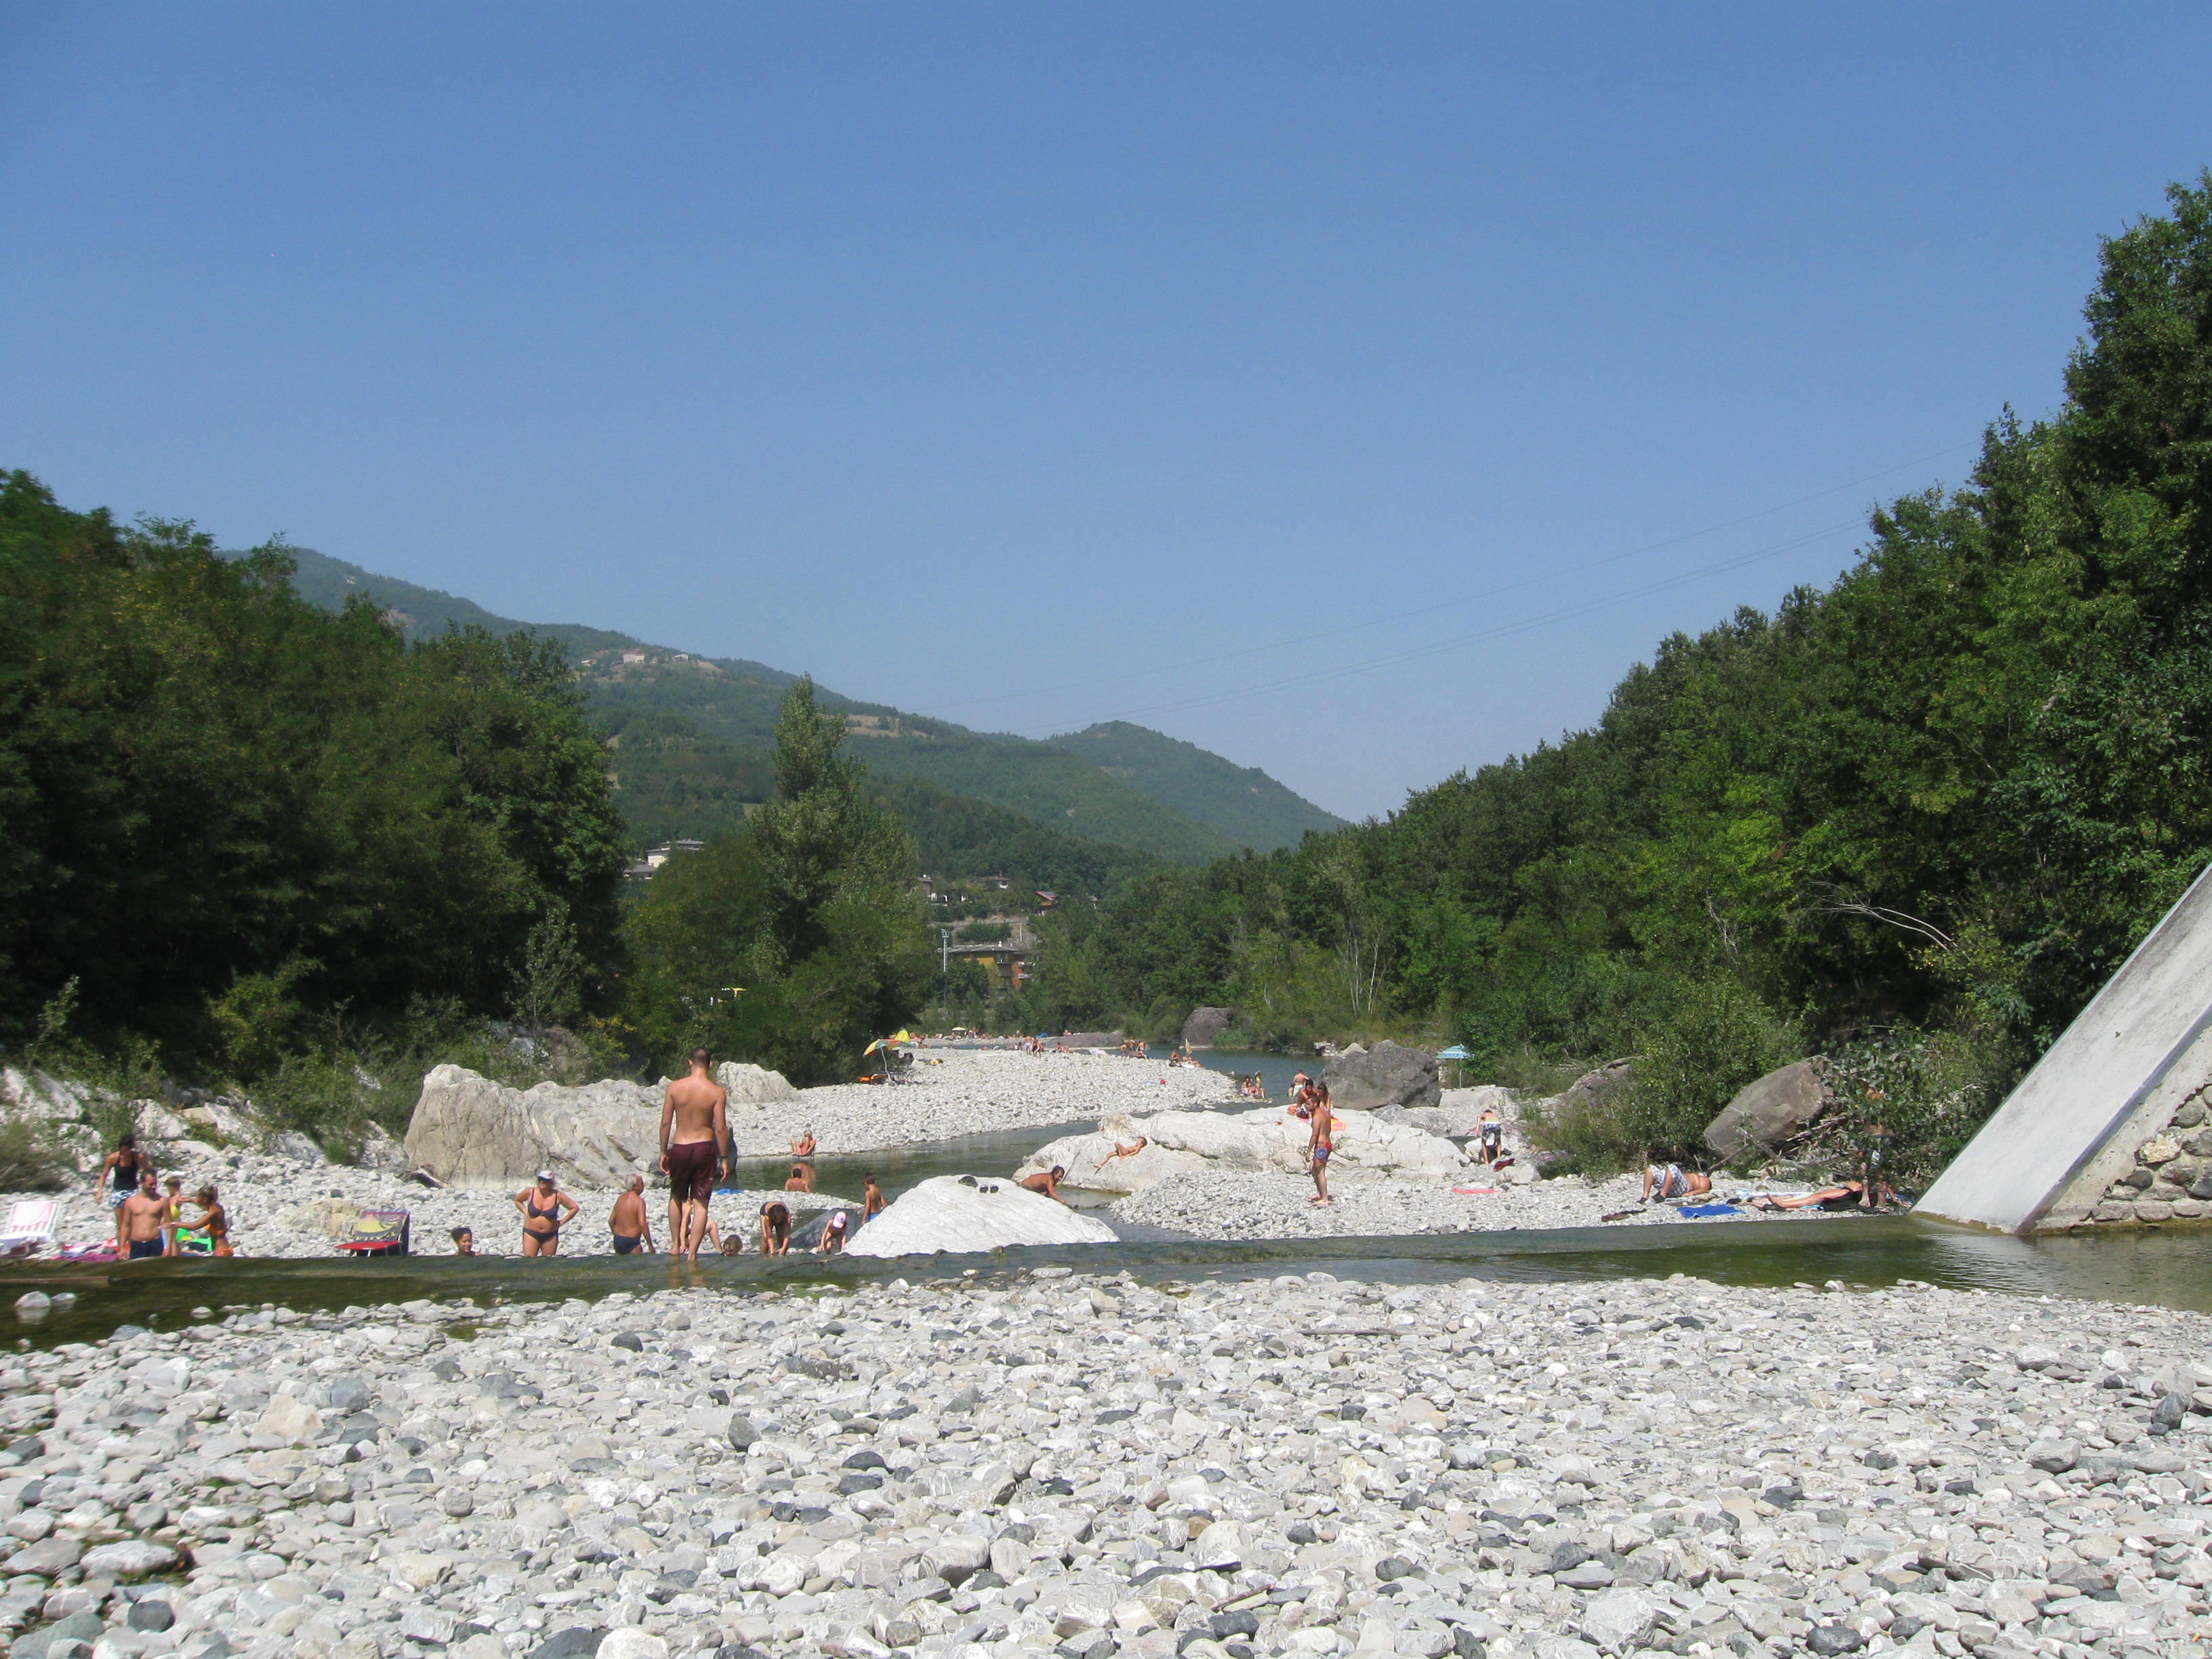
(2133, 1062)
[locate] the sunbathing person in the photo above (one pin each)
(1668, 1181)
(1120, 1151)
(1844, 1195)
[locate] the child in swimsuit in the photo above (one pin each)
(173, 1215)
(213, 1222)
(776, 1228)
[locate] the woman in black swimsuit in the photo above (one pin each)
(542, 1218)
(120, 1176)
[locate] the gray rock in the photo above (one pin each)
(151, 1613)
(48, 1556)
(1594, 1090)
(1618, 1619)
(133, 1558)
(1766, 1113)
(1387, 1075)
(291, 1144)
(470, 1131)
(1204, 1024)
(86, 1626)
(574, 1643)
(2053, 1457)
(1589, 1575)
(748, 1085)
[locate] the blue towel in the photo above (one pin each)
(1698, 1211)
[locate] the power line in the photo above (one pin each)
(1340, 631)
(1481, 636)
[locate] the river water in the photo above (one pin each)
(2170, 1267)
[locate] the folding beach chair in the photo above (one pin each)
(378, 1232)
(30, 1225)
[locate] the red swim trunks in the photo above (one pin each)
(691, 1170)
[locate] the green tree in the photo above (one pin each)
(793, 944)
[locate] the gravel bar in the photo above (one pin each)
(1032, 1464)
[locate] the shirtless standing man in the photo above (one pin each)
(144, 1215)
(695, 1126)
(1321, 1144)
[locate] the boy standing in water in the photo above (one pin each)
(695, 1126)
(1320, 1143)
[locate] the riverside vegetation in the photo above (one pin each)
(1914, 819)
(1910, 821)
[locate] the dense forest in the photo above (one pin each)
(1914, 818)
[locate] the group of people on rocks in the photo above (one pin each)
(694, 1142)
(150, 1222)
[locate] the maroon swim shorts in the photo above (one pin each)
(691, 1170)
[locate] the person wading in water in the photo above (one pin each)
(542, 1208)
(695, 1126)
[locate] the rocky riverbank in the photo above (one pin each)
(997, 1469)
(963, 1091)
(280, 1206)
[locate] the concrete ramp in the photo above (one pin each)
(2117, 1077)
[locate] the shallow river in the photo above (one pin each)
(2172, 1268)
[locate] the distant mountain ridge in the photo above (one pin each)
(1118, 784)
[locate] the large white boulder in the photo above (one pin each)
(967, 1213)
(472, 1132)
(1267, 1139)
(748, 1085)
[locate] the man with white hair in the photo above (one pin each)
(632, 1228)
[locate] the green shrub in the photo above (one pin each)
(1715, 1038)
(1930, 1090)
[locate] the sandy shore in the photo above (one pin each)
(1043, 1464)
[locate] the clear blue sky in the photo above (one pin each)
(967, 355)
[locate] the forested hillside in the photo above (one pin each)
(1927, 809)
(671, 780)
(1119, 784)
(1241, 803)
